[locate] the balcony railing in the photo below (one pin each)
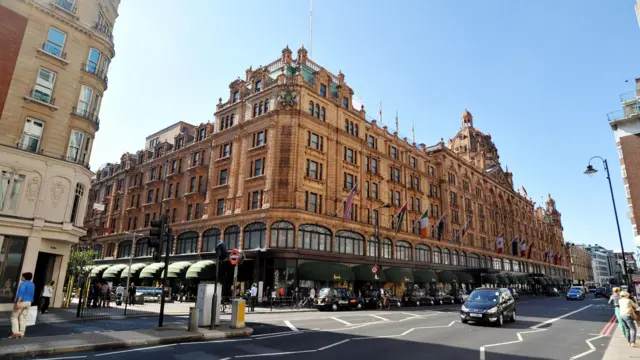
(99, 73)
(625, 112)
(54, 50)
(86, 114)
(103, 29)
(36, 149)
(41, 97)
(67, 5)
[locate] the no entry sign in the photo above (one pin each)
(374, 269)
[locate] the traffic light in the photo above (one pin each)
(156, 235)
(221, 251)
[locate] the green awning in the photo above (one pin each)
(98, 270)
(135, 270)
(521, 279)
(501, 279)
(364, 273)
(177, 270)
(202, 270)
(324, 271)
(398, 275)
(152, 271)
(489, 279)
(113, 272)
(511, 279)
(447, 277)
(463, 277)
(539, 281)
(424, 276)
(529, 280)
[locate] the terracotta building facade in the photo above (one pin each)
(53, 74)
(581, 270)
(286, 149)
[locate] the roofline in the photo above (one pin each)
(167, 128)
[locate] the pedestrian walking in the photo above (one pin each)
(47, 293)
(24, 298)
(254, 297)
(119, 294)
(629, 315)
(132, 294)
(615, 298)
(106, 292)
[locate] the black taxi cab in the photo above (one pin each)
(335, 299)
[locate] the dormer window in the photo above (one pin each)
(180, 143)
(345, 103)
(158, 152)
(258, 85)
(202, 134)
(236, 96)
(323, 90)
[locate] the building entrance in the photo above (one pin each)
(43, 274)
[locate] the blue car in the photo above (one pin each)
(576, 293)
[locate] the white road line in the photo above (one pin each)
(379, 317)
(559, 317)
(270, 334)
(334, 344)
(342, 321)
(591, 348)
(409, 314)
(139, 349)
(68, 357)
(214, 341)
(290, 325)
(275, 354)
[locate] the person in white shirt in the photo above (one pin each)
(628, 309)
(312, 294)
(47, 293)
(254, 297)
(119, 294)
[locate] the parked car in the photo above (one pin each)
(417, 297)
(576, 293)
(551, 291)
(440, 297)
(335, 299)
(370, 299)
(459, 296)
(592, 288)
(489, 305)
(602, 292)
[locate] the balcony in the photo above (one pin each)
(34, 148)
(630, 107)
(65, 5)
(152, 181)
(93, 70)
(41, 98)
(87, 115)
(104, 29)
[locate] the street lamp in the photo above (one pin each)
(377, 234)
(591, 171)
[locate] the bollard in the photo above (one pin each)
(237, 313)
(193, 319)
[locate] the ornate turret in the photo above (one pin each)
(467, 119)
(552, 214)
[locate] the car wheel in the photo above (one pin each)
(513, 316)
(500, 320)
(334, 307)
(464, 321)
(418, 303)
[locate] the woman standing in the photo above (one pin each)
(615, 298)
(628, 316)
(47, 293)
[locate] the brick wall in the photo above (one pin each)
(12, 28)
(630, 145)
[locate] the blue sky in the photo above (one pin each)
(539, 76)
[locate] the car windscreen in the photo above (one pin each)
(324, 292)
(575, 288)
(484, 296)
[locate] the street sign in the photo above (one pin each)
(374, 269)
(234, 255)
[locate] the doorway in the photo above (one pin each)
(43, 274)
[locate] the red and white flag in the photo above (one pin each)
(348, 202)
(500, 244)
(523, 248)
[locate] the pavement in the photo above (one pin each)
(546, 328)
(619, 348)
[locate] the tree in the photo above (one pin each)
(81, 258)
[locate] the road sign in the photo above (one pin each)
(234, 255)
(374, 269)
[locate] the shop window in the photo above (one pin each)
(437, 255)
(403, 250)
(348, 242)
(474, 260)
(164, 246)
(372, 247)
(188, 242)
(124, 249)
(314, 237)
(98, 249)
(11, 255)
(446, 256)
(423, 253)
(255, 235)
(232, 237)
(142, 247)
(210, 240)
(454, 258)
(282, 235)
(387, 247)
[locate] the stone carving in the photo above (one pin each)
(57, 189)
(288, 98)
(32, 188)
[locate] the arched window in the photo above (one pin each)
(255, 236)
(108, 253)
(516, 266)
(403, 250)
(76, 202)
(314, 237)
(188, 243)
(446, 256)
(454, 258)
(266, 106)
(210, 240)
(232, 117)
(323, 114)
(474, 261)
(261, 108)
(497, 264)
(99, 249)
(386, 248)
(232, 237)
(348, 242)
(372, 246)
(124, 249)
(282, 235)
(310, 108)
(506, 265)
(164, 246)
(530, 266)
(142, 247)
(543, 270)
(437, 255)
(317, 111)
(463, 259)
(484, 264)
(423, 253)
(255, 109)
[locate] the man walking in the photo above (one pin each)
(24, 298)
(254, 297)
(47, 293)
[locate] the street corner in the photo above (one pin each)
(225, 332)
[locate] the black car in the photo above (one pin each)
(440, 297)
(371, 297)
(417, 297)
(335, 299)
(551, 291)
(459, 296)
(602, 292)
(489, 305)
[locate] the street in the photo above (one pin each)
(548, 328)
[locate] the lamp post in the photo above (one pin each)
(377, 232)
(590, 171)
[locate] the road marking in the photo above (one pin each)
(560, 317)
(139, 349)
(334, 344)
(410, 314)
(275, 354)
(591, 348)
(270, 334)
(379, 317)
(342, 321)
(290, 325)
(606, 328)
(68, 357)
(214, 341)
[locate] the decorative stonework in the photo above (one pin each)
(32, 188)
(288, 98)
(57, 189)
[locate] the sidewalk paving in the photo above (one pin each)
(46, 345)
(619, 348)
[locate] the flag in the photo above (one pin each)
(441, 222)
(396, 121)
(463, 232)
(514, 246)
(400, 216)
(530, 252)
(349, 201)
(551, 254)
(380, 112)
(525, 192)
(546, 256)
(424, 224)
(523, 248)
(556, 258)
(500, 244)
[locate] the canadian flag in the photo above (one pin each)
(500, 244)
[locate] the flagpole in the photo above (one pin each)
(311, 28)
